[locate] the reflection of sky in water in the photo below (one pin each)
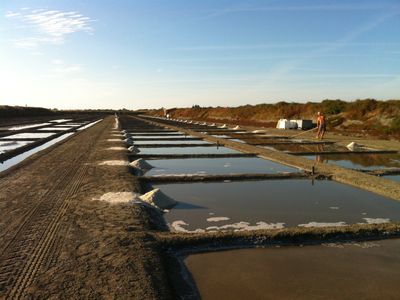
(216, 166)
(33, 135)
(16, 159)
(360, 161)
(10, 145)
(393, 177)
(187, 150)
(20, 127)
(291, 202)
(54, 128)
(60, 120)
(138, 143)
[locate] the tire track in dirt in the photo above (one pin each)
(36, 240)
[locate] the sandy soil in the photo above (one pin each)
(57, 242)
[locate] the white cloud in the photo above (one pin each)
(48, 26)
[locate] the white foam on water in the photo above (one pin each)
(113, 163)
(376, 220)
(177, 226)
(227, 165)
(116, 148)
(245, 226)
(217, 219)
(334, 207)
(118, 197)
(323, 224)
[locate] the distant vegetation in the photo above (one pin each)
(12, 112)
(367, 115)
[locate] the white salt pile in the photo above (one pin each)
(116, 148)
(236, 128)
(128, 141)
(352, 146)
(141, 164)
(113, 163)
(118, 197)
(258, 131)
(158, 199)
(223, 126)
(134, 149)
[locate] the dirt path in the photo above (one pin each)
(58, 241)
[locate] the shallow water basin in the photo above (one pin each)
(11, 145)
(20, 127)
(33, 135)
(138, 143)
(363, 270)
(227, 165)
(267, 204)
(54, 128)
(187, 150)
(360, 161)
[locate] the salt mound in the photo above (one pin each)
(258, 131)
(141, 164)
(117, 197)
(158, 199)
(223, 126)
(236, 128)
(213, 124)
(352, 146)
(128, 141)
(134, 149)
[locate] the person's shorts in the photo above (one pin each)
(322, 127)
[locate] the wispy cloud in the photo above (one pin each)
(48, 26)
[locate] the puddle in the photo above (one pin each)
(11, 145)
(17, 159)
(20, 127)
(292, 202)
(360, 161)
(187, 150)
(33, 135)
(343, 271)
(216, 166)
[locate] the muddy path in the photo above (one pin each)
(59, 241)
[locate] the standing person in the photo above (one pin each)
(321, 125)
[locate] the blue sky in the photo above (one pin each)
(143, 54)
